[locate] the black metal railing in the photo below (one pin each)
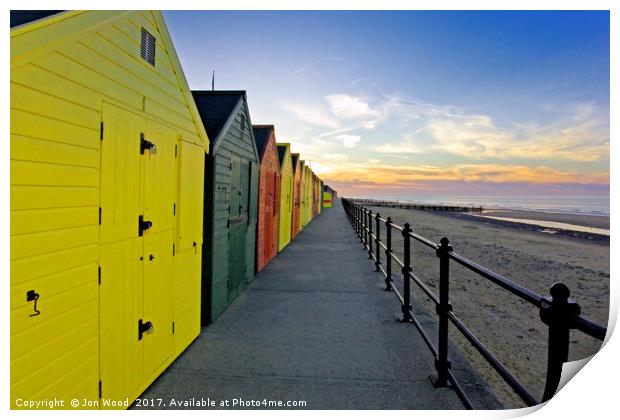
(557, 311)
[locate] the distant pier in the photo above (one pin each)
(419, 206)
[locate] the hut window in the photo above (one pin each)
(242, 122)
(147, 47)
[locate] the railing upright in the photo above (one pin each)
(364, 226)
(442, 364)
(388, 254)
(362, 231)
(370, 240)
(406, 308)
(377, 242)
(558, 312)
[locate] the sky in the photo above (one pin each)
(388, 103)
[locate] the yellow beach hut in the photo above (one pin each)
(286, 194)
(107, 149)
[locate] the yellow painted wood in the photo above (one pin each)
(121, 302)
(73, 74)
(120, 174)
(190, 201)
(286, 197)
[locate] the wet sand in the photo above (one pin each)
(508, 326)
(587, 220)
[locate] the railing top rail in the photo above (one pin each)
(547, 304)
(582, 324)
(423, 240)
(511, 286)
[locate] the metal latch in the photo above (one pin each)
(146, 145)
(143, 225)
(144, 327)
(30, 296)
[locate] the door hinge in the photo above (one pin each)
(99, 215)
(100, 394)
(144, 327)
(99, 274)
(101, 131)
(175, 150)
(174, 208)
(172, 327)
(143, 225)
(145, 144)
(173, 249)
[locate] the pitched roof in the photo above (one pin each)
(41, 36)
(295, 158)
(262, 133)
(21, 17)
(281, 153)
(215, 107)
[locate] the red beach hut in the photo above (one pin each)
(268, 195)
(297, 173)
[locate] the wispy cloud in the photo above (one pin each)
(310, 114)
(354, 108)
(496, 173)
(349, 141)
(476, 136)
(303, 68)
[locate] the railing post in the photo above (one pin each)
(361, 219)
(558, 312)
(377, 242)
(406, 308)
(370, 241)
(358, 221)
(388, 254)
(365, 228)
(442, 364)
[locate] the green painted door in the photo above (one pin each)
(238, 225)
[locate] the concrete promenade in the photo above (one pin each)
(315, 326)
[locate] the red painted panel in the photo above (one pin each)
(268, 199)
(315, 195)
(296, 198)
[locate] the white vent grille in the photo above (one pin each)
(147, 47)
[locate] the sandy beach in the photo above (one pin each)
(508, 326)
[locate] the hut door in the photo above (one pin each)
(238, 200)
(137, 185)
(158, 184)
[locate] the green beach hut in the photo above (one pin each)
(230, 199)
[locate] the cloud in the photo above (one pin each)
(407, 146)
(348, 140)
(357, 81)
(352, 108)
(311, 114)
(303, 68)
(476, 136)
(335, 156)
(390, 174)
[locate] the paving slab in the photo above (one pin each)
(314, 326)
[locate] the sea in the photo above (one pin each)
(590, 204)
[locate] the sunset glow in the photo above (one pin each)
(380, 102)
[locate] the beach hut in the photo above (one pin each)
(320, 203)
(328, 195)
(315, 195)
(268, 195)
(296, 217)
(286, 194)
(107, 155)
(230, 199)
(306, 194)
